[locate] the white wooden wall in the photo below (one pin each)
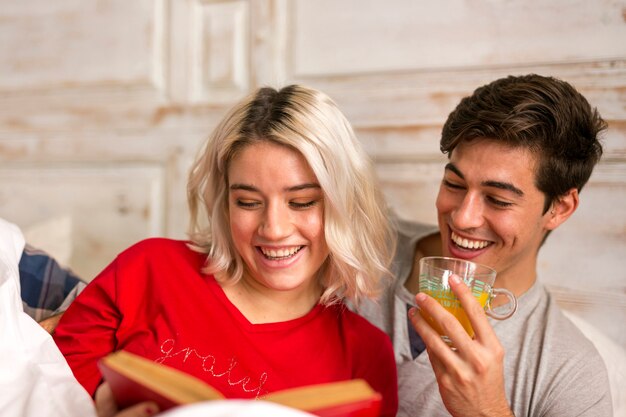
(103, 104)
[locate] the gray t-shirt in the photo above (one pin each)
(551, 368)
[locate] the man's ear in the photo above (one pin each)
(562, 209)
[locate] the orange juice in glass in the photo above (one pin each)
(435, 272)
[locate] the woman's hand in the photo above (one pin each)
(106, 406)
(50, 323)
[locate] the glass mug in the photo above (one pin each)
(433, 280)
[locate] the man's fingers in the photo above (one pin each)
(475, 312)
(441, 318)
(426, 332)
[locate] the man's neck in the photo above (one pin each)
(518, 279)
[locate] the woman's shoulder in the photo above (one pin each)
(159, 249)
(143, 261)
(152, 244)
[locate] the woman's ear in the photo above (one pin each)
(562, 208)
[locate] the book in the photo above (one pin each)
(134, 379)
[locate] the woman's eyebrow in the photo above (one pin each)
(304, 186)
(244, 187)
(252, 188)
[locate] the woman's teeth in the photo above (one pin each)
(281, 253)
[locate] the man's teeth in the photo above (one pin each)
(281, 253)
(468, 244)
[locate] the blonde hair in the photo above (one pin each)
(356, 224)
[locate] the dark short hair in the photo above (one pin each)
(543, 114)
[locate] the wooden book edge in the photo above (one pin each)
(326, 395)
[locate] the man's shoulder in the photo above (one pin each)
(552, 368)
(574, 364)
(411, 230)
(552, 333)
(563, 333)
(560, 343)
(409, 233)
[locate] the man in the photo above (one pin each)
(520, 149)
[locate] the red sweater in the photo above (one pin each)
(154, 301)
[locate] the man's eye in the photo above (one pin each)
(307, 204)
(452, 185)
(499, 203)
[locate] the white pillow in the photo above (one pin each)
(54, 236)
(235, 408)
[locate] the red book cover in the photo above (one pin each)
(128, 392)
(134, 379)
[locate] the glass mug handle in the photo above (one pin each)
(512, 302)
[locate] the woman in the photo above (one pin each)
(286, 223)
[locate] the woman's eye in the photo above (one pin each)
(302, 205)
(247, 203)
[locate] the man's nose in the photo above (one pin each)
(470, 213)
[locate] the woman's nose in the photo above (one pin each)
(276, 222)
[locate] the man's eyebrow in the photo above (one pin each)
(495, 184)
(451, 167)
(504, 186)
(251, 188)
